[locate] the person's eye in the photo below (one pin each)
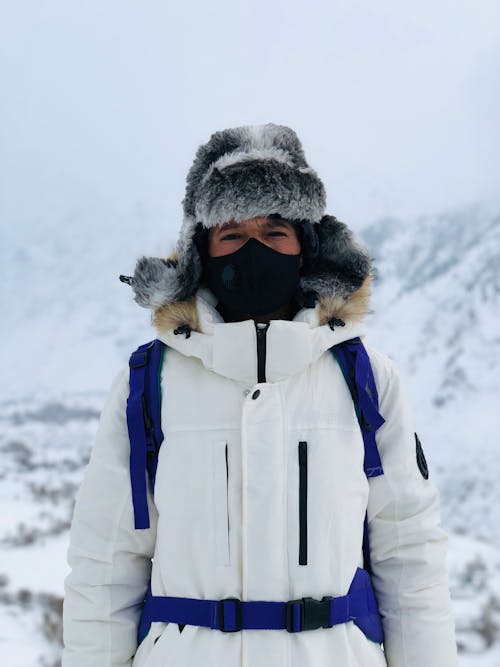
(230, 236)
(277, 234)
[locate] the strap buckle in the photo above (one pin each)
(235, 620)
(140, 356)
(138, 359)
(310, 615)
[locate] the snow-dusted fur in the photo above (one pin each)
(244, 172)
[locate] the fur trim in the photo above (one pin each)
(350, 309)
(258, 187)
(268, 155)
(175, 315)
(343, 261)
(155, 282)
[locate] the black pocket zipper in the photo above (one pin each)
(302, 503)
(227, 490)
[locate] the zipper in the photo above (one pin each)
(261, 330)
(227, 496)
(302, 503)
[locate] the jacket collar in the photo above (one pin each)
(230, 348)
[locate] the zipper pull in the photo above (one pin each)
(261, 329)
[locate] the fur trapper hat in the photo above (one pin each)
(244, 172)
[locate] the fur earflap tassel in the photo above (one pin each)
(155, 282)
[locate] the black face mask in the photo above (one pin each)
(255, 279)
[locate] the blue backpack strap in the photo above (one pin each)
(144, 423)
(354, 362)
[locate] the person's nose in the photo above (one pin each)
(257, 234)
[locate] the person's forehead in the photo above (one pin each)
(268, 222)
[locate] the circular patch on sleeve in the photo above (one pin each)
(421, 462)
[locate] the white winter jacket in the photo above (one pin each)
(229, 527)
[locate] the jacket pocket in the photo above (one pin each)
(302, 503)
(220, 474)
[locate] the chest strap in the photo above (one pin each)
(232, 614)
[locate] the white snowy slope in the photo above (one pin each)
(71, 325)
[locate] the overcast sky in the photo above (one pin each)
(103, 103)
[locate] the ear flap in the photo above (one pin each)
(159, 281)
(342, 263)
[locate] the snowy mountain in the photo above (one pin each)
(447, 269)
(436, 312)
(71, 325)
(64, 303)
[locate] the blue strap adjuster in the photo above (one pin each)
(139, 357)
(230, 620)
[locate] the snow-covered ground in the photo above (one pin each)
(72, 324)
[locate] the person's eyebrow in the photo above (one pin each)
(277, 223)
(227, 225)
(273, 223)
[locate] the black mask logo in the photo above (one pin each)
(255, 279)
(228, 276)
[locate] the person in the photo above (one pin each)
(260, 491)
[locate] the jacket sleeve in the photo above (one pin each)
(408, 547)
(110, 561)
